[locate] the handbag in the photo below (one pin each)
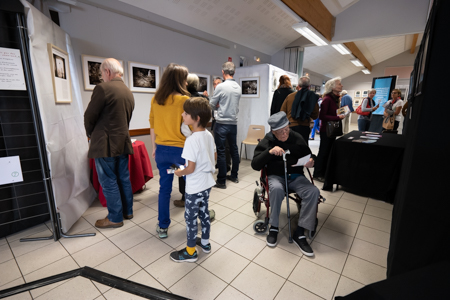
(334, 128)
(388, 122)
(362, 113)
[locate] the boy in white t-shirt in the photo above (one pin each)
(199, 153)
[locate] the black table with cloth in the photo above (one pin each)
(371, 170)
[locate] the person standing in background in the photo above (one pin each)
(280, 94)
(107, 121)
(167, 139)
(346, 100)
(316, 127)
(227, 95)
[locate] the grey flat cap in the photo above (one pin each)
(278, 120)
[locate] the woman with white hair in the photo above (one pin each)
(328, 108)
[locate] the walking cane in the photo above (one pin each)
(287, 195)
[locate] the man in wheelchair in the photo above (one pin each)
(269, 152)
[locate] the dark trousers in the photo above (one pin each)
(222, 134)
(320, 165)
(227, 148)
(303, 130)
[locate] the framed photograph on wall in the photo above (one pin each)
(91, 70)
(204, 83)
(250, 87)
(143, 78)
(365, 93)
(59, 66)
(357, 93)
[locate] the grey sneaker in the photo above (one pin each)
(162, 232)
(205, 248)
(212, 215)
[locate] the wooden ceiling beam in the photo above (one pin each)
(358, 54)
(316, 14)
(414, 42)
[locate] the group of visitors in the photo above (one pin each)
(182, 146)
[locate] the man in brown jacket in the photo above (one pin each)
(300, 107)
(106, 121)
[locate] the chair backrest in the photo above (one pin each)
(255, 133)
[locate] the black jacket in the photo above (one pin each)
(275, 165)
(278, 98)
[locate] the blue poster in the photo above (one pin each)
(382, 85)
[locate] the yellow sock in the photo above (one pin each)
(190, 250)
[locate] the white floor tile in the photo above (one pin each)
(199, 284)
(73, 245)
(222, 233)
(221, 211)
(20, 248)
(96, 254)
(346, 214)
(143, 215)
(238, 220)
(370, 252)
(373, 236)
(334, 239)
(233, 202)
(353, 197)
(130, 238)
(279, 261)
(245, 245)
(76, 288)
(12, 274)
(5, 253)
(225, 264)
(48, 254)
(378, 212)
(351, 205)
(327, 257)
(232, 293)
(380, 204)
(168, 272)
(346, 286)
(258, 283)
(376, 223)
(314, 278)
(363, 271)
(148, 251)
(291, 291)
(341, 225)
(144, 278)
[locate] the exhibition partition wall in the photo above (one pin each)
(57, 90)
(258, 83)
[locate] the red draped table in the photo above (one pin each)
(139, 166)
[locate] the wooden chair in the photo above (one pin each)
(254, 134)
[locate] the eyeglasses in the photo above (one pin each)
(282, 131)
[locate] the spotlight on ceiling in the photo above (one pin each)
(357, 62)
(310, 33)
(341, 49)
(256, 58)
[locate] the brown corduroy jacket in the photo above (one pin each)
(287, 108)
(107, 119)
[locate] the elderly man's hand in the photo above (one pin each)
(310, 163)
(276, 151)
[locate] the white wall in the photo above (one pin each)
(380, 18)
(100, 32)
(361, 81)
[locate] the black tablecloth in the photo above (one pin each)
(370, 170)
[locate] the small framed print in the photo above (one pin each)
(357, 93)
(92, 75)
(143, 78)
(250, 87)
(365, 94)
(60, 72)
(204, 83)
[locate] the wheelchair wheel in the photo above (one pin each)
(313, 233)
(260, 227)
(256, 202)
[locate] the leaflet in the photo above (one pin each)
(302, 161)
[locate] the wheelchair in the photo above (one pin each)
(261, 196)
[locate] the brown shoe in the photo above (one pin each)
(106, 223)
(128, 217)
(178, 203)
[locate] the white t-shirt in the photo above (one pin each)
(397, 103)
(200, 148)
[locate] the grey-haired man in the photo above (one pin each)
(269, 153)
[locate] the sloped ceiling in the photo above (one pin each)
(257, 24)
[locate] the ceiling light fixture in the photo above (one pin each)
(365, 71)
(310, 33)
(341, 49)
(357, 62)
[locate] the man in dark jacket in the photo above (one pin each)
(106, 121)
(269, 152)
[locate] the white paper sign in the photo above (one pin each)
(302, 161)
(10, 170)
(11, 71)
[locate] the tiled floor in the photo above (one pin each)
(350, 251)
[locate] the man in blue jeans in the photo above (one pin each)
(227, 95)
(106, 121)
